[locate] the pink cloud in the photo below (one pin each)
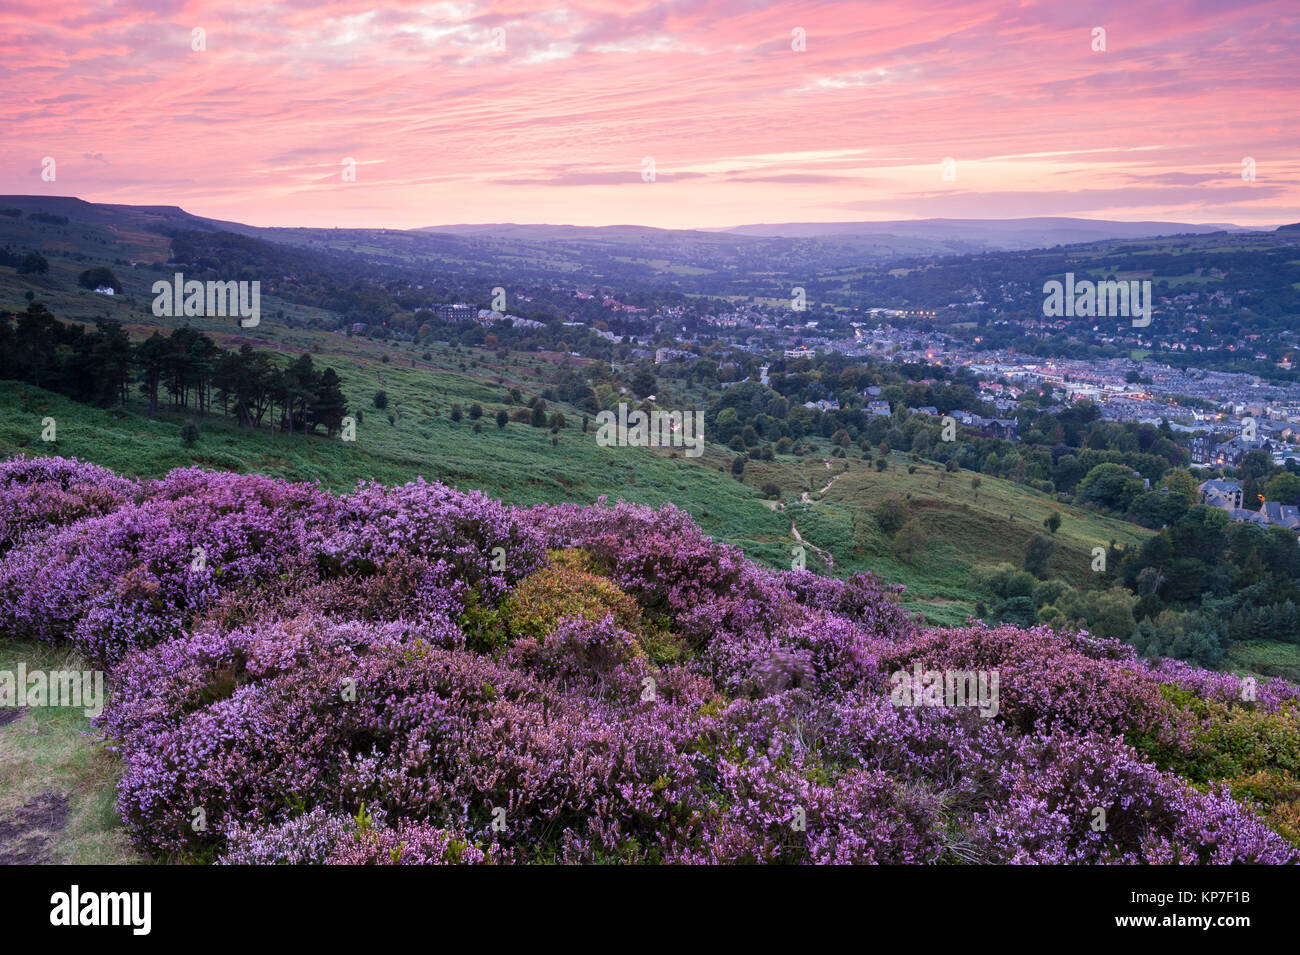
(446, 127)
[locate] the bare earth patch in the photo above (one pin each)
(26, 833)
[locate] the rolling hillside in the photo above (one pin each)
(414, 434)
(520, 465)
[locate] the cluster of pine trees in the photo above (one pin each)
(186, 370)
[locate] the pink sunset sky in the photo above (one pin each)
(445, 126)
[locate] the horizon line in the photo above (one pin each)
(634, 225)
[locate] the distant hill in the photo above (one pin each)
(150, 218)
(905, 236)
(359, 274)
(543, 232)
(966, 234)
(1005, 234)
(627, 257)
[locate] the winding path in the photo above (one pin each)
(822, 493)
(794, 531)
(825, 554)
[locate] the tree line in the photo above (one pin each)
(186, 370)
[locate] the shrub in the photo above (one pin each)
(561, 590)
(891, 514)
(911, 540)
(139, 573)
(416, 675)
(99, 277)
(1038, 553)
(39, 495)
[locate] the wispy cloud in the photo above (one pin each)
(495, 110)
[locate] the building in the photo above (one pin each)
(1225, 494)
(1283, 514)
(1231, 452)
(1007, 428)
(1239, 515)
(459, 312)
(665, 355)
(826, 404)
(1203, 448)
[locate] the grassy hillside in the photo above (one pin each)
(519, 464)
(1266, 658)
(963, 528)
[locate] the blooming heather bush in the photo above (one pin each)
(674, 571)
(575, 525)
(409, 843)
(772, 815)
(405, 588)
(366, 839)
(580, 650)
(307, 839)
(462, 533)
(39, 495)
(862, 599)
(310, 712)
(137, 575)
(953, 759)
(416, 675)
(1058, 784)
(1046, 682)
(260, 721)
(1266, 695)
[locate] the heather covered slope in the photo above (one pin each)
(417, 674)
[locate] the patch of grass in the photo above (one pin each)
(48, 752)
(964, 527)
(1265, 658)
